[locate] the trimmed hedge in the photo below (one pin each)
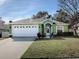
(65, 34)
(39, 35)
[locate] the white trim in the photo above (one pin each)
(45, 25)
(62, 28)
(56, 29)
(51, 21)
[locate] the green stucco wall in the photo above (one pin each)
(41, 28)
(66, 28)
(53, 28)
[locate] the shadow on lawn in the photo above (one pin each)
(53, 38)
(36, 39)
(56, 38)
(23, 39)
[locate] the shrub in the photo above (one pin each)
(67, 33)
(39, 35)
(43, 35)
(10, 35)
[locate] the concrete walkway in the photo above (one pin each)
(12, 49)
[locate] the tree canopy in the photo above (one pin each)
(71, 8)
(40, 14)
(62, 16)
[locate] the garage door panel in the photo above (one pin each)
(25, 32)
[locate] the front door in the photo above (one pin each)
(48, 30)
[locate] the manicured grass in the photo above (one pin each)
(53, 48)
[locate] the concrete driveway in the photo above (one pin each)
(14, 48)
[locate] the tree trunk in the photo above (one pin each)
(75, 31)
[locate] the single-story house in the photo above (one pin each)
(1, 26)
(77, 29)
(30, 27)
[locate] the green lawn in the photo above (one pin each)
(53, 48)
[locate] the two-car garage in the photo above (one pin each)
(24, 30)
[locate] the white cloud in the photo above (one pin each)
(2, 2)
(27, 12)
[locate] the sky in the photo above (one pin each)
(21, 9)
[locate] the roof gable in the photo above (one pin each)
(31, 21)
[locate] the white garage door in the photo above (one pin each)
(24, 30)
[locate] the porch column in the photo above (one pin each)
(42, 25)
(41, 28)
(54, 28)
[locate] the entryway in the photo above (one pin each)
(48, 30)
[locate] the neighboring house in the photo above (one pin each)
(77, 29)
(1, 27)
(30, 27)
(6, 31)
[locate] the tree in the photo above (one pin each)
(71, 8)
(40, 14)
(61, 16)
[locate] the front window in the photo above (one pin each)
(26, 26)
(20, 26)
(15, 27)
(23, 27)
(29, 26)
(32, 26)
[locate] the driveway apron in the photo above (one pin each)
(14, 48)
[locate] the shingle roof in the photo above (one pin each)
(29, 21)
(35, 21)
(61, 23)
